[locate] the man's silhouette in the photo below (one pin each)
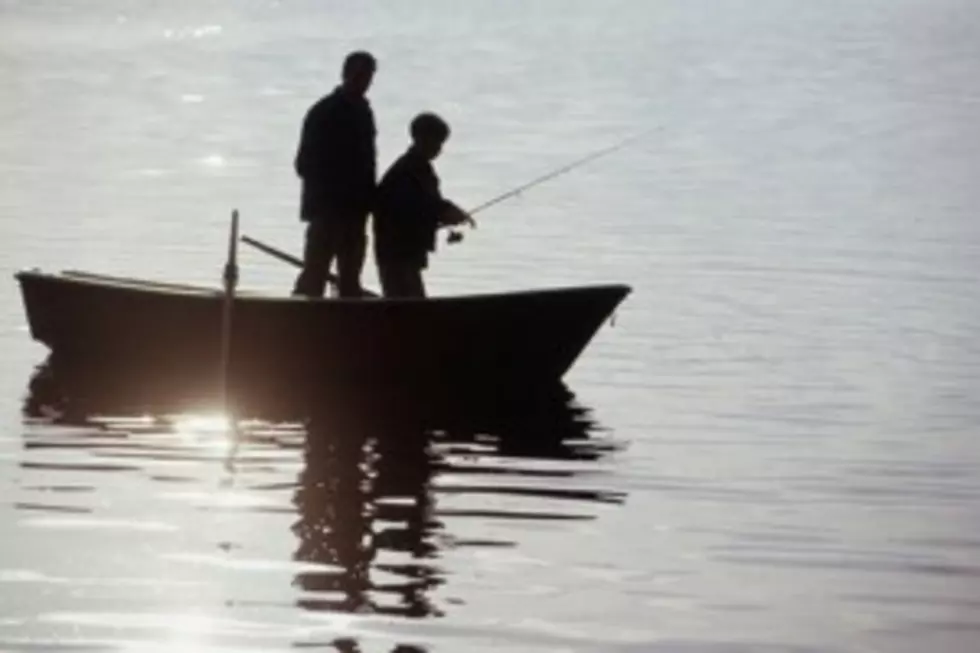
(336, 161)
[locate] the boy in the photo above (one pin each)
(409, 209)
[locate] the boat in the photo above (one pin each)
(488, 342)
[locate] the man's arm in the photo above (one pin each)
(317, 138)
(361, 157)
(302, 163)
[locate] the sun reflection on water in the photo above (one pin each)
(202, 423)
(207, 429)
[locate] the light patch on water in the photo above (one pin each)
(192, 32)
(194, 632)
(189, 632)
(241, 564)
(213, 161)
(116, 422)
(272, 91)
(227, 499)
(23, 576)
(202, 423)
(150, 173)
(29, 576)
(82, 523)
(211, 431)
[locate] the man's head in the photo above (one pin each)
(358, 72)
(429, 132)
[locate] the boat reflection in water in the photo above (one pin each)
(381, 481)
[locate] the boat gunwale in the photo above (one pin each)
(80, 277)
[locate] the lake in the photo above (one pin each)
(772, 447)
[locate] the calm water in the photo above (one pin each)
(773, 449)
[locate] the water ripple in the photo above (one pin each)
(356, 510)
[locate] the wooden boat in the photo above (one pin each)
(491, 342)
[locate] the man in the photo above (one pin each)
(336, 161)
(409, 209)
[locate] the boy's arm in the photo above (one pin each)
(451, 216)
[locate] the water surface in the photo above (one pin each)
(785, 406)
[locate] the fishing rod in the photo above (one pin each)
(558, 172)
(455, 236)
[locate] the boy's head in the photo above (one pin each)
(429, 132)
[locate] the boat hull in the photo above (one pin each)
(291, 345)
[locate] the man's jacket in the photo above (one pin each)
(336, 157)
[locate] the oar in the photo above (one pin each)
(289, 258)
(279, 254)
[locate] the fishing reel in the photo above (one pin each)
(458, 218)
(456, 236)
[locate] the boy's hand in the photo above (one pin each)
(454, 216)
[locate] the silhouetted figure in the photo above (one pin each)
(365, 488)
(333, 503)
(409, 209)
(336, 161)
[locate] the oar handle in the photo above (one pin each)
(275, 253)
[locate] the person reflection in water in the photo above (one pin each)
(336, 161)
(365, 489)
(409, 209)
